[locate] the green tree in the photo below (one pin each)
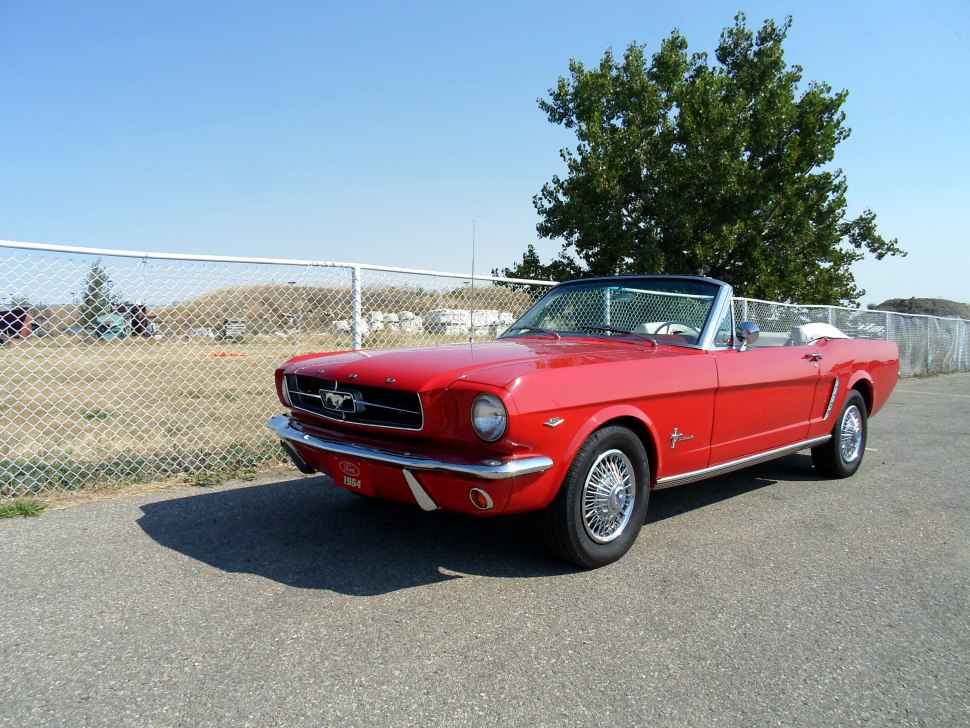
(96, 299)
(723, 169)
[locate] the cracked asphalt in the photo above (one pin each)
(765, 597)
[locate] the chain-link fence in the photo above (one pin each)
(927, 344)
(131, 367)
(136, 367)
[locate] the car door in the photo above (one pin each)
(763, 400)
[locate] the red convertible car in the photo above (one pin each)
(604, 390)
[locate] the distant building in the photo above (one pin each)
(15, 323)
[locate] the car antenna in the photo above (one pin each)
(471, 298)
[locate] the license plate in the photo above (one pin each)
(352, 475)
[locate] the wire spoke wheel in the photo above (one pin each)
(609, 495)
(602, 503)
(842, 455)
(851, 434)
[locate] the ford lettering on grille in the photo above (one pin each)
(338, 401)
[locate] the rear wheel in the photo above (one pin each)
(601, 505)
(841, 456)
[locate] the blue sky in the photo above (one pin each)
(377, 132)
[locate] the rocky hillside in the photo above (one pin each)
(926, 307)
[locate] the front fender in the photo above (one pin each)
(541, 492)
(604, 417)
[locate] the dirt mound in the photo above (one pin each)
(926, 307)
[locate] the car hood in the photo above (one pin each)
(496, 363)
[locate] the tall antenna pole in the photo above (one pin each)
(471, 299)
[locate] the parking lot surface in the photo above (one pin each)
(766, 597)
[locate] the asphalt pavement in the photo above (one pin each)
(767, 597)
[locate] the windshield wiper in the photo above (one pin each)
(532, 328)
(623, 332)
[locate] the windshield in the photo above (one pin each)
(667, 310)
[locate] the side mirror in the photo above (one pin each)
(748, 334)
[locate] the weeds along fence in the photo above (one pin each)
(128, 366)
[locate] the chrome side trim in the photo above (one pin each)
(420, 494)
(835, 391)
(696, 475)
(288, 429)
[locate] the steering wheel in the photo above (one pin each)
(690, 328)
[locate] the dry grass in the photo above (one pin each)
(135, 409)
(101, 399)
(77, 414)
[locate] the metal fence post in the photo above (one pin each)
(958, 338)
(929, 345)
(357, 318)
(964, 354)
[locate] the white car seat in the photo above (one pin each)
(809, 333)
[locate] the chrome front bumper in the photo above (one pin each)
(289, 430)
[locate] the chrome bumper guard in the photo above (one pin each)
(289, 430)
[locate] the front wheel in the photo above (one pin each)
(841, 456)
(601, 505)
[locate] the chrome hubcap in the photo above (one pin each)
(608, 496)
(850, 433)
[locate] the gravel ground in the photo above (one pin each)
(766, 597)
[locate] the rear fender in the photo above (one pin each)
(863, 382)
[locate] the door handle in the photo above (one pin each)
(814, 356)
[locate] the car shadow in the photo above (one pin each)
(309, 534)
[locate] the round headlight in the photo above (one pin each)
(489, 417)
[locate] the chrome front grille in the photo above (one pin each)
(359, 404)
